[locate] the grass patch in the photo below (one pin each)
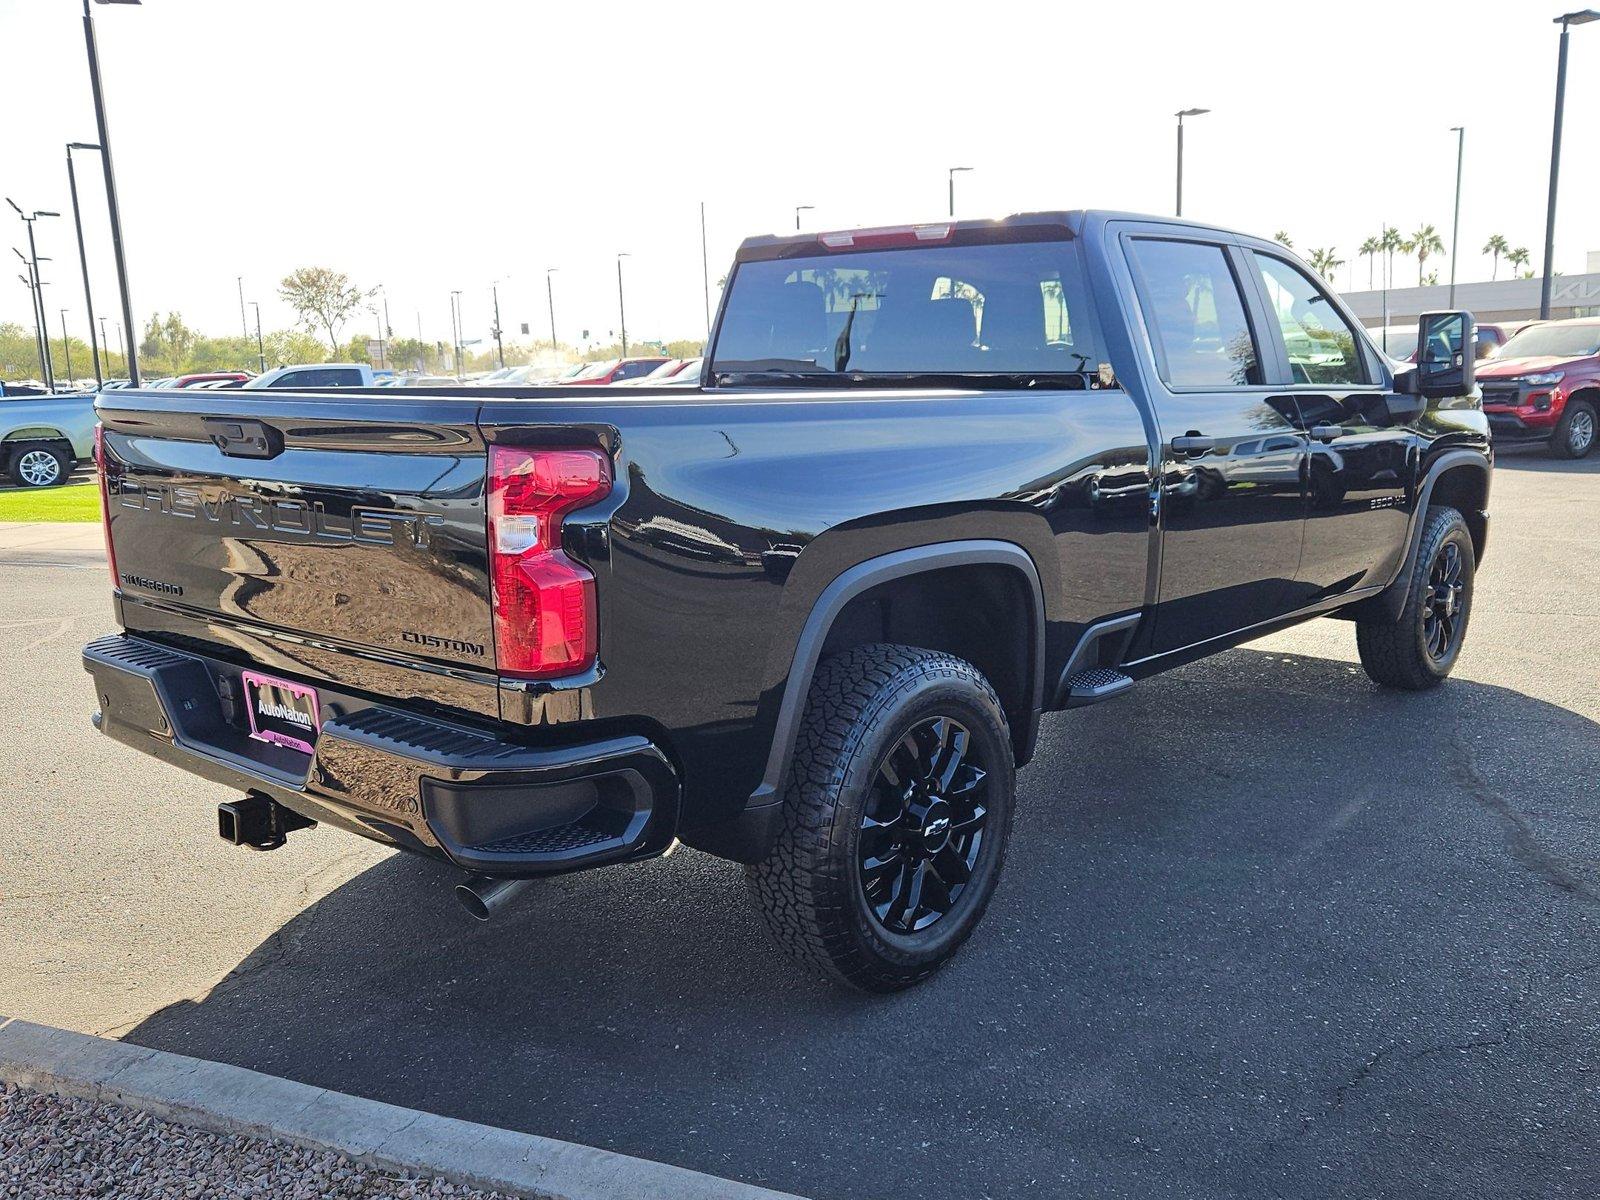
(71, 502)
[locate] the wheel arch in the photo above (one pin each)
(904, 596)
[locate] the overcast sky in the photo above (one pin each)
(432, 146)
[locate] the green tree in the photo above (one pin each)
(1388, 242)
(1424, 242)
(1282, 239)
(1496, 245)
(1326, 262)
(323, 298)
(1518, 259)
(1370, 249)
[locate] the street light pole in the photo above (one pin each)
(244, 325)
(622, 308)
(951, 180)
(261, 349)
(34, 297)
(499, 346)
(1581, 17)
(38, 287)
(83, 258)
(1187, 112)
(1455, 228)
(106, 342)
(111, 178)
(455, 328)
(66, 345)
(550, 295)
(798, 209)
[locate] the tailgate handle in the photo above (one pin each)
(244, 439)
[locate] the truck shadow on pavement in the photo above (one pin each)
(1263, 927)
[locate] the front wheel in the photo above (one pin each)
(897, 811)
(1418, 650)
(1575, 434)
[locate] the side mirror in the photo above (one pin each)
(1446, 355)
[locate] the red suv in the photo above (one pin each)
(1544, 386)
(183, 381)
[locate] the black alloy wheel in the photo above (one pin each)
(923, 826)
(1443, 604)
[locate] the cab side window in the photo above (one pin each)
(1195, 314)
(1320, 343)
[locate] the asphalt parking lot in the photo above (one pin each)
(1265, 930)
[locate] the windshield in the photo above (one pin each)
(595, 370)
(1397, 341)
(1553, 341)
(1011, 308)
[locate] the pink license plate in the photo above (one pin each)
(281, 712)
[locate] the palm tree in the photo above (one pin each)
(1423, 242)
(1282, 239)
(1496, 245)
(1389, 242)
(1370, 248)
(1326, 262)
(1518, 259)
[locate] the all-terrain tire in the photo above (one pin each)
(1412, 652)
(865, 707)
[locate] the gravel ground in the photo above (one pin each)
(60, 1148)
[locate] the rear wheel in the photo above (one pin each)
(896, 815)
(1418, 650)
(38, 464)
(1575, 434)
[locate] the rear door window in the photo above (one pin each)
(1195, 313)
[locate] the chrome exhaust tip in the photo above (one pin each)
(482, 895)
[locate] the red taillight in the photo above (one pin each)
(544, 615)
(105, 500)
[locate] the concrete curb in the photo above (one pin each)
(233, 1100)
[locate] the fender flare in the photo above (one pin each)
(885, 568)
(1391, 602)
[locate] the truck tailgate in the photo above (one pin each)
(351, 523)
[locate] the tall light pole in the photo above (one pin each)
(83, 257)
(111, 178)
(38, 286)
(1581, 17)
(104, 341)
(951, 180)
(34, 297)
(261, 349)
(499, 346)
(550, 295)
(705, 267)
(455, 328)
(798, 209)
(66, 345)
(622, 308)
(1181, 114)
(1455, 228)
(244, 325)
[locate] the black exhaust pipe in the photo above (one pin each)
(482, 895)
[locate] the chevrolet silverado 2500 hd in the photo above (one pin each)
(935, 481)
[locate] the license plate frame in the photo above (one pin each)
(294, 717)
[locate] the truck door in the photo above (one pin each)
(1233, 455)
(1360, 455)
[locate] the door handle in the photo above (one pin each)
(1192, 443)
(1326, 433)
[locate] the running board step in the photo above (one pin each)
(1091, 687)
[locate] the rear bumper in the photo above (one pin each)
(448, 791)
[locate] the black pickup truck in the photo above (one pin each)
(935, 481)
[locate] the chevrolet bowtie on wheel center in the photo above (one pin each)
(933, 482)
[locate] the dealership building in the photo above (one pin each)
(1498, 302)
